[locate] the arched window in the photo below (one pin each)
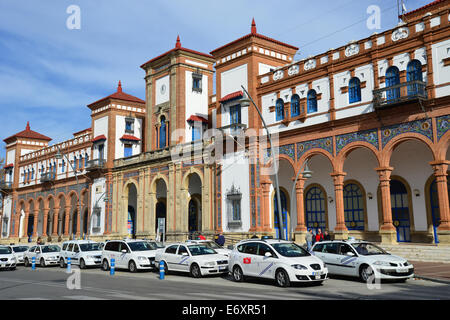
(354, 90)
(295, 105)
(414, 74)
(63, 165)
(400, 210)
(315, 208)
(312, 101)
(279, 110)
(392, 79)
(353, 207)
(162, 133)
(32, 173)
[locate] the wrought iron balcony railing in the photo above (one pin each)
(400, 93)
(95, 164)
(5, 185)
(48, 177)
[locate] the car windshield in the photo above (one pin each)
(90, 247)
(47, 249)
(368, 249)
(156, 245)
(290, 250)
(5, 250)
(141, 246)
(200, 249)
(20, 249)
(211, 244)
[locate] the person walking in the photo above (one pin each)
(319, 235)
(220, 239)
(201, 237)
(309, 240)
(326, 235)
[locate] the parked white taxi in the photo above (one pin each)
(19, 251)
(362, 259)
(7, 258)
(284, 261)
(133, 255)
(45, 255)
(211, 244)
(85, 253)
(197, 259)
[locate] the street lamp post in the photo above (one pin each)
(306, 173)
(245, 102)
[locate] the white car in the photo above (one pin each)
(283, 261)
(133, 255)
(19, 251)
(7, 258)
(211, 244)
(45, 255)
(362, 259)
(85, 253)
(197, 259)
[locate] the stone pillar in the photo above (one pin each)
(25, 223)
(55, 221)
(300, 229)
(265, 205)
(79, 208)
(36, 218)
(66, 224)
(440, 172)
(340, 231)
(44, 223)
(387, 229)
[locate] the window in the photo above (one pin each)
(112, 246)
(353, 207)
(197, 82)
(123, 246)
(76, 248)
(196, 132)
(414, 74)
(234, 197)
(64, 246)
(279, 110)
(162, 133)
(330, 248)
(86, 159)
(346, 248)
(128, 150)
(236, 209)
(354, 90)
(235, 114)
(181, 250)
(172, 249)
(75, 159)
(101, 148)
(251, 248)
(392, 79)
(295, 106)
(63, 165)
(263, 249)
(70, 247)
(311, 101)
(32, 173)
(80, 162)
(129, 125)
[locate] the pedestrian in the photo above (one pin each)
(38, 241)
(309, 240)
(201, 237)
(220, 239)
(326, 236)
(319, 235)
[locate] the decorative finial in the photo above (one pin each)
(119, 87)
(28, 126)
(253, 26)
(178, 44)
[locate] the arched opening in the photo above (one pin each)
(61, 216)
(161, 209)
(85, 223)
(73, 219)
(30, 224)
(161, 216)
(315, 208)
(400, 210)
(40, 225)
(131, 211)
(433, 199)
(354, 207)
(194, 216)
(392, 79)
(284, 214)
(194, 204)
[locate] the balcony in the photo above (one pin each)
(5, 185)
(233, 129)
(48, 177)
(398, 94)
(96, 164)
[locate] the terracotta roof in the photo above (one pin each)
(85, 130)
(425, 6)
(129, 137)
(29, 134)
(254, 33)
(231, 96)
(194, 118)
(177, 47)
(98, 138)
(120, 95)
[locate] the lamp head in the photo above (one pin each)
(307, 173)
(58, 155)
(244, 101)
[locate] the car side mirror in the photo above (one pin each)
(184, 254)
(350, 254)
(124, 251)
(268, 255)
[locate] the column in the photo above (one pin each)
(440, 172)
(25, 224)
(66, 224)
(55, 221)
(44, 223)
(300, 229)
(387, 229)
(36, 218)
(341, 231)
(265, 205)
(79, 208)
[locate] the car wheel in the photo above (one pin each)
(132, 266)
(61, 263)
(166, 268)
(238, 275)
(105, 265)
(82, 264)
(365, 273)
(42, 263)
(282, 278)
(26, 263)
(195, 271)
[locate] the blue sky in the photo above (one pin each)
(48, 73)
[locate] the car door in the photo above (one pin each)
(123, 257)
(250, 259)
(330, 256)
(112, 251)
(183, 258)
(265, 264)
(69, 252)
(170, 256)
(347, 261)
(30, 253)
(76, 254)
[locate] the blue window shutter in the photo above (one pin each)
(295, 106)
(128, 151)
(279, 109)
(312, 101)
(354, 90)
(235, 114)
(162, 133)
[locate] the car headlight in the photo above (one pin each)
(381, 263)
(142, 258)
(299, 267)
(210, 264)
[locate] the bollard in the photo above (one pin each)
(113, 265)
(33, 263)
(69, 265)
(161, 270)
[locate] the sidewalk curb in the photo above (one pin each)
(432, 279)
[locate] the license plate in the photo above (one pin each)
(317, 277)
(3, 265)
(402, 270)
(223, 268)
(318, 273)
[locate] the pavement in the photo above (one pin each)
(432, 271)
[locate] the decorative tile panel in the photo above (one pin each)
(423, 127)
(442, 125)
(288, 150)
(323, 143)
(370, 136)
